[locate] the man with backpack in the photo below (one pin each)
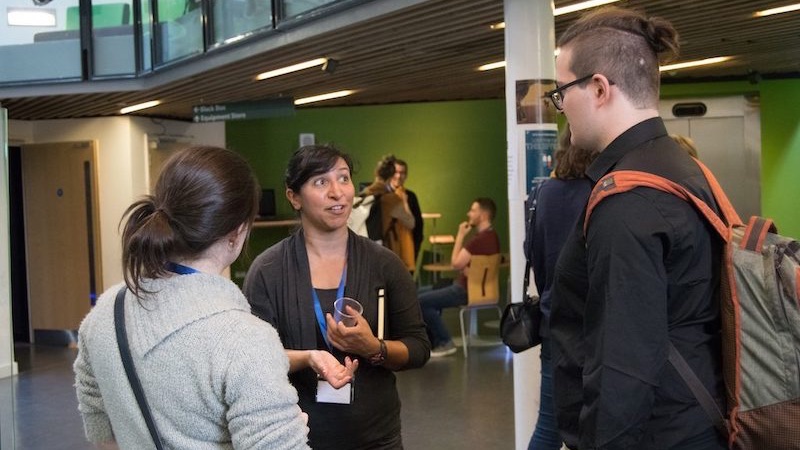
(644, 274)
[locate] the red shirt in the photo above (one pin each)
(484, 242)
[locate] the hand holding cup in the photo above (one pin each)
(347, 310)
(348, 330)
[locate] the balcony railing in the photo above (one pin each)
(85, 40)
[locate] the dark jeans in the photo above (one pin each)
(545, 436)
(432, 302)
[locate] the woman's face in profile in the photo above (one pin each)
(325, 200)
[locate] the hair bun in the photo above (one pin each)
(661, 36)
(385, 168)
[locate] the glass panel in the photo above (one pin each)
(147, 36)
(234, 19)
(179, 29)
(112, 36)
(48, 51)
(7, 428)
(293, 8)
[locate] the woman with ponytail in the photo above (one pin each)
(215, 376)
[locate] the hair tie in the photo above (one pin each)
(164, 212)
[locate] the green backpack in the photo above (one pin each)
(760, 310)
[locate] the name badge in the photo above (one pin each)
(328, 394)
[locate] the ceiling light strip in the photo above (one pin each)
(701, 62)
(31, 17)
(292, 68)
(580, 6)
(564, 10)
(321, 97)
(780, 10)
(494, 65)
(683, 65)
(140, 106)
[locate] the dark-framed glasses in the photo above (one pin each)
(557, 94)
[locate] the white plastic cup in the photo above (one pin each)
(340, 313)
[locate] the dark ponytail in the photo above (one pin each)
(202, 195)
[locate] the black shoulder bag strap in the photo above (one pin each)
(530, 220)
(700, 392)
(130, 370)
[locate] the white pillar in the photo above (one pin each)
(531, 134)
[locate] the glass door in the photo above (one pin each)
(6, 334)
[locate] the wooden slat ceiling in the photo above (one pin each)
(430, 52)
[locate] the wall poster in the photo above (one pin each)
(540, 146)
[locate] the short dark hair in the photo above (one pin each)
(400, 162)
(488, 205)
(625, 46)
(571, 161)
(311, 160)
(202, 194)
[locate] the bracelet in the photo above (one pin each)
(379, 358)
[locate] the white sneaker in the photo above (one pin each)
(448, 348)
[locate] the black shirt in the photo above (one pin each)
(645, 274)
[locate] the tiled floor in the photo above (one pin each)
(451, 403)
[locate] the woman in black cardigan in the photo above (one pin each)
(343, 375)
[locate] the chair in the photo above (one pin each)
(483, 289)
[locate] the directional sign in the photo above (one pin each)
(243, 110)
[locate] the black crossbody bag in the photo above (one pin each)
(130, 370)
(520, 323)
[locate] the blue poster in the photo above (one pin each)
(540, 145)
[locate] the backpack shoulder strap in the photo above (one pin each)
(727, 210)
(699, 390)
(626, 180)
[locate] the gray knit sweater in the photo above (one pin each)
(215, 376)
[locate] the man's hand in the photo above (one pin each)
(464, 228)
(401, 192)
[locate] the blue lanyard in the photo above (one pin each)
(180, 269)
(323, 325)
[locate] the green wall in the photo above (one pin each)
(456, 151)
(780, 142)
(780, 165)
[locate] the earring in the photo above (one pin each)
(231, 244)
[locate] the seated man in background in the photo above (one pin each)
(483, 242)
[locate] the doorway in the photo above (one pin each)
(20, 318)
(62, 239)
